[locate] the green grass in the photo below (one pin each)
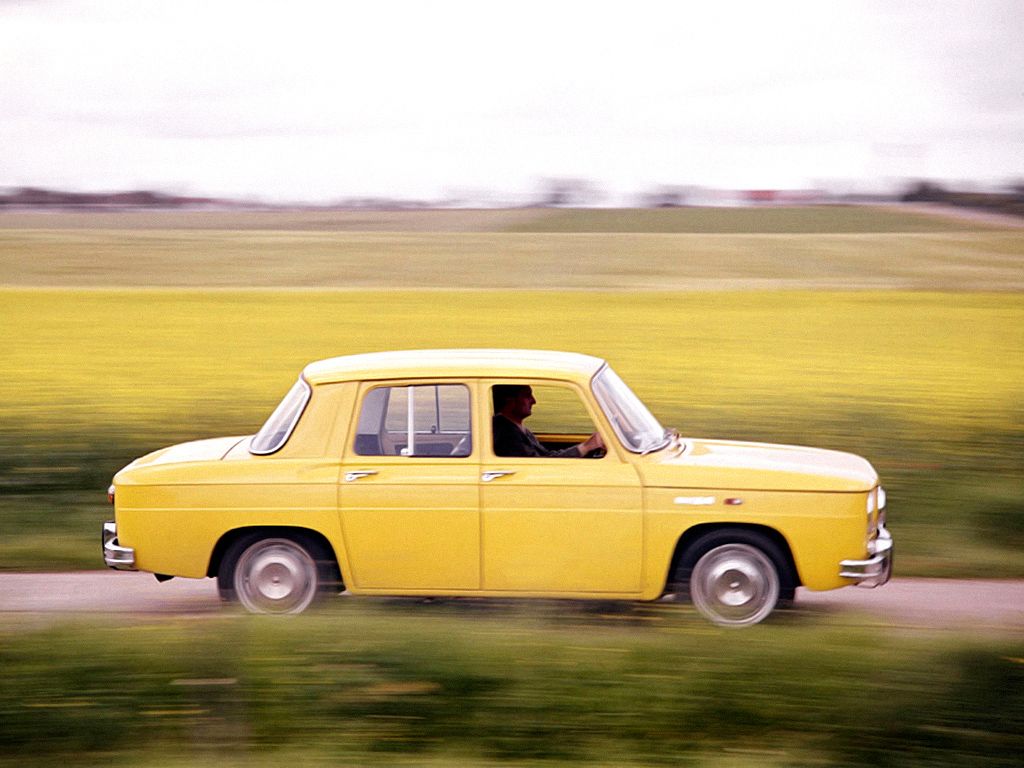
(685, 249)
(820, 219)
(817, 219)
(927, 386)
(494, 685)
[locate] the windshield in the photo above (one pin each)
(282, 421)
(638, 430)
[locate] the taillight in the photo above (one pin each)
(110, 493)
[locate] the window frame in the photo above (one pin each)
(606, 396)
(369, 387)
(286, 434)
(582, 393)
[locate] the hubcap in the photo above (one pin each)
(276, 576)
(734, 585)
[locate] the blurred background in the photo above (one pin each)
(792, 222)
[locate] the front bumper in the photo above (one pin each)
(114, 555)
(877, 569)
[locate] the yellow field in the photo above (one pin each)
(952, 362)
(928, 386)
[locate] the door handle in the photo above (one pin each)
(355, 475)
(488, 476)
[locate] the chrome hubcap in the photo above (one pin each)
(276, 576)
(734, 585)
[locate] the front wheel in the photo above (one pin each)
(734, 585)
(275, 574)
(735, 578)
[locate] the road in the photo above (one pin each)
(933, 603)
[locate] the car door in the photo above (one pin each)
(560, 525)
(409, 488)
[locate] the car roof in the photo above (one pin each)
(419, 363)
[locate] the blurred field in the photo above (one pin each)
(927, 385)
(821, 219)
(825, 248)
(455, 220)
(379, 683)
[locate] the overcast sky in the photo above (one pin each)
(307, 101)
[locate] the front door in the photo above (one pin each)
(409, 489)
(560, 524)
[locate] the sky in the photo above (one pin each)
(307, 101)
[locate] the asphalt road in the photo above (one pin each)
(934, 603)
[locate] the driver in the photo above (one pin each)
(512, 404)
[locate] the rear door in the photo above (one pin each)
(409, 488)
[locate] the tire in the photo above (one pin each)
(278, 573)
(735, 578)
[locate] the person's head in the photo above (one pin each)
(513, 401)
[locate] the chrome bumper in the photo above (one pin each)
(114, 555)
(877, 569)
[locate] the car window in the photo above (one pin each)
(420, 420)
(639, 431)
(278, 428)
(558, 411)
(552, 420)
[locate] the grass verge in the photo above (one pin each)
(825, 248)
(452, 684)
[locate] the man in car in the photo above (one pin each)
(512, 404)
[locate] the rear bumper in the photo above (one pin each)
(114, 555)
(877, 568)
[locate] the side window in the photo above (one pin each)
(540, 420)
(558, 411)
(420, 420)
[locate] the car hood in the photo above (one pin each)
(213, 449)
(757, 466)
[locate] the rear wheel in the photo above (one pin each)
(735, 578)
(275, 574)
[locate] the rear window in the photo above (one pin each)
(278, 428)
(419, 420)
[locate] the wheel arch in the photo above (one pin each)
(791, 578)
(294, 532)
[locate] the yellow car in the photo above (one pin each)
(495, 473)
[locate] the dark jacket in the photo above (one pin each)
(510, 440)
